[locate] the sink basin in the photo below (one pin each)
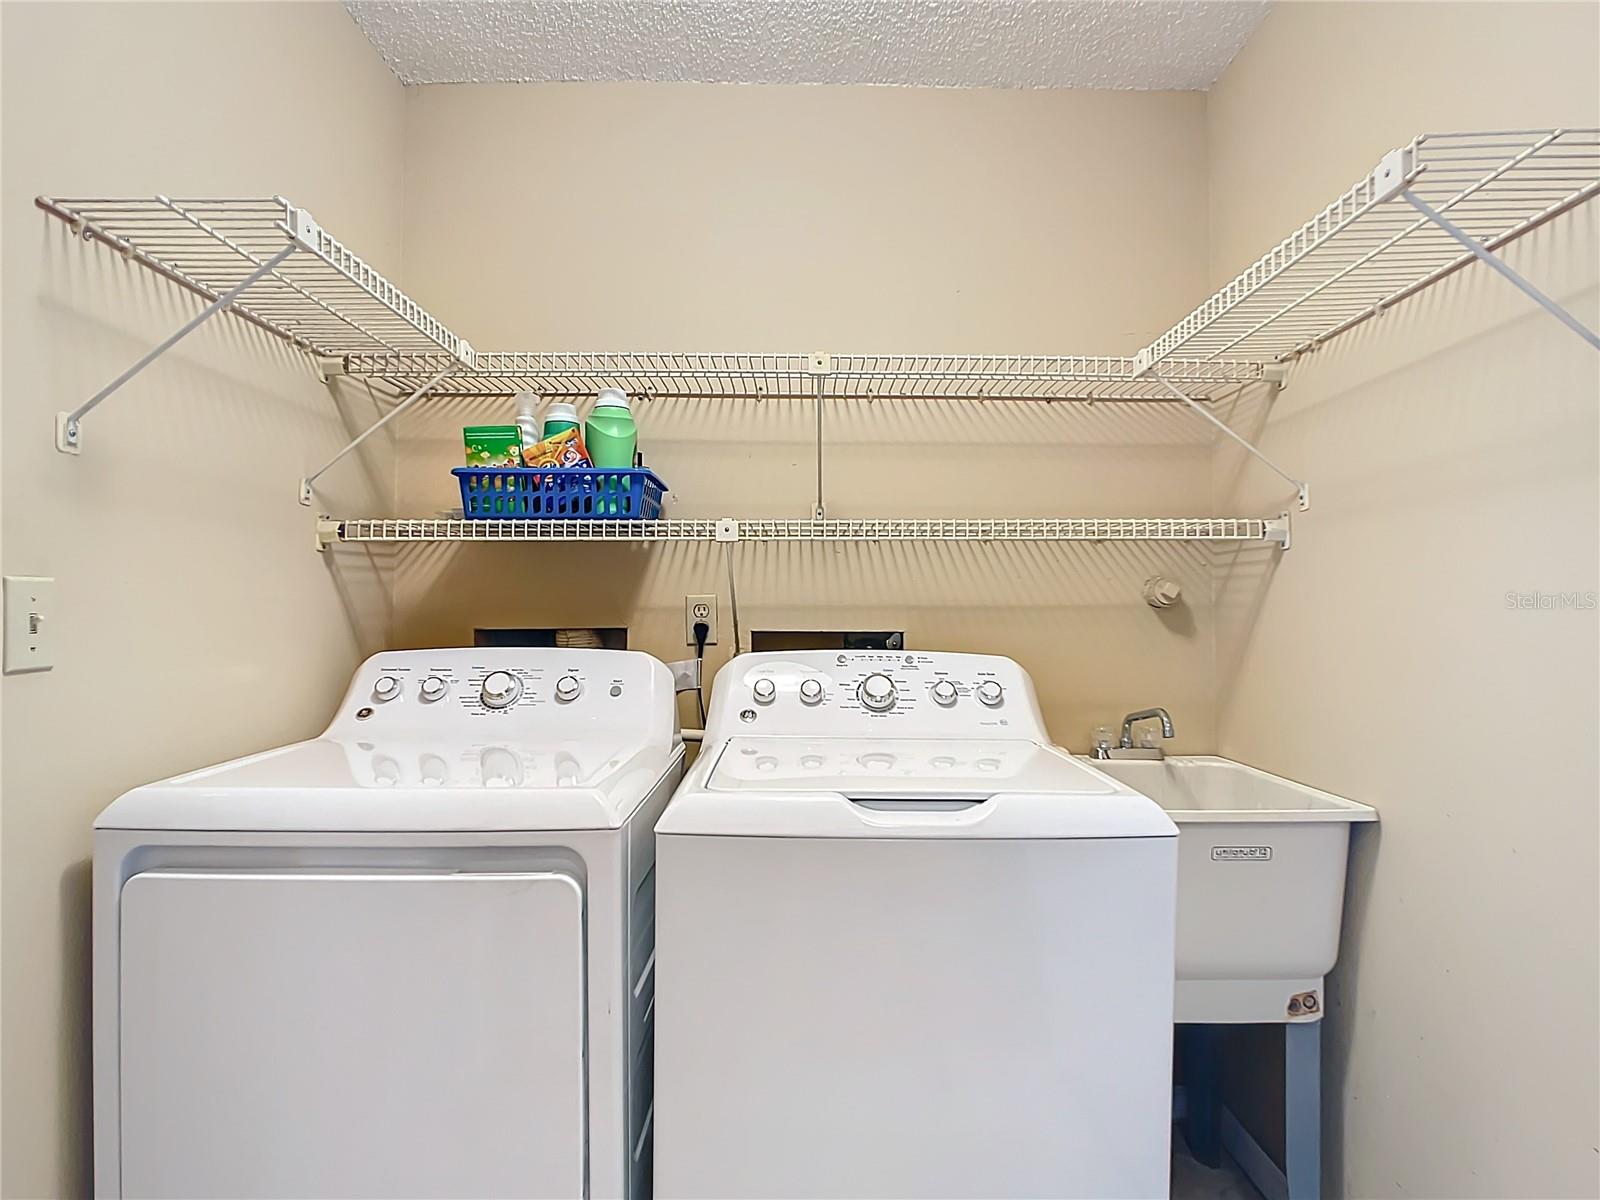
(1261, 866)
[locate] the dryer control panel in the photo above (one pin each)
(848, 693)
(493, 692)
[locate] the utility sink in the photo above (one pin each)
(1261, 866)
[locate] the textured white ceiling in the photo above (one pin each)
(1137, 44)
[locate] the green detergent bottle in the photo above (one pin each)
(610, 435)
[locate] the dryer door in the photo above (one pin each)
(347, 1034)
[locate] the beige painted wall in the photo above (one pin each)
(627, 217)
(182, 637)
(1452, 449)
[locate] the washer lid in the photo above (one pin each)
(333, 785)
(851, 787)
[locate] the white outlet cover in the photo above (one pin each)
(699, 608)
(29, 616)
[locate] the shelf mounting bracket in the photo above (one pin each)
(1483, 255)
(820, 366)
(1302, 489)
(69, 425)
(307, 483)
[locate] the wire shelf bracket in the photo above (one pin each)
(69, 425)
(1302, 489)
(1396, 167)
(309, 482)
(265, 261)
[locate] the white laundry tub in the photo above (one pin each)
(1261, 866)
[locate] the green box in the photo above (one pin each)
(493, 445)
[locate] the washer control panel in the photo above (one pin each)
(492, 692)
(849, 693)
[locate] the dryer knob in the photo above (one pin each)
(811, 691)
(568, 688)
(434, 688)
(944, 693)
(764, 690)
(990, 693)
(500, 689)
(876, 692)
(386, 689)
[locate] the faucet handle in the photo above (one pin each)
(1102, 742)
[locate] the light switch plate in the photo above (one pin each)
(699, 608)
(29, 612)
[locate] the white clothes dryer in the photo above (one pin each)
(411, 957)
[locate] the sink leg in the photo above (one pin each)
(1302, 1109)
(1200, 1047)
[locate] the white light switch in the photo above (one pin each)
(30, 610)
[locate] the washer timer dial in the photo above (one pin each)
(876, 692)
(500, 689)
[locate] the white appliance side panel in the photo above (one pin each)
(896, 1018)
(355, 1035)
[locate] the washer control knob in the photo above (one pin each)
(568, 688)
(434, 688)
(500, 689)
(811, 691)
(764, 690)
(943, 693)
(991, 693)
(876, 692)
(386, 689)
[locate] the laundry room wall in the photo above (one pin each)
(193, 620)
(713, 217)
(1452, 450)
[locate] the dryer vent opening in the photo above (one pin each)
(575, 638)
(825, 639)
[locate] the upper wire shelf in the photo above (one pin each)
(321, 297)
(1370, 249)
(1270, 531)
(808, 376)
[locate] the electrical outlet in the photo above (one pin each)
(696, 609)
(30, 609)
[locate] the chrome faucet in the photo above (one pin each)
(1125, 748)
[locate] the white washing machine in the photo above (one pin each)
(412, 957)
(906, 947)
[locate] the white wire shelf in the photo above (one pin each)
(322, 298)
(806, 376)
(1370, 248)
(1273, 531)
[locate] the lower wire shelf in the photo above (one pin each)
(1273, 531)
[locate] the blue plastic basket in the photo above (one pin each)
(559, 494)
